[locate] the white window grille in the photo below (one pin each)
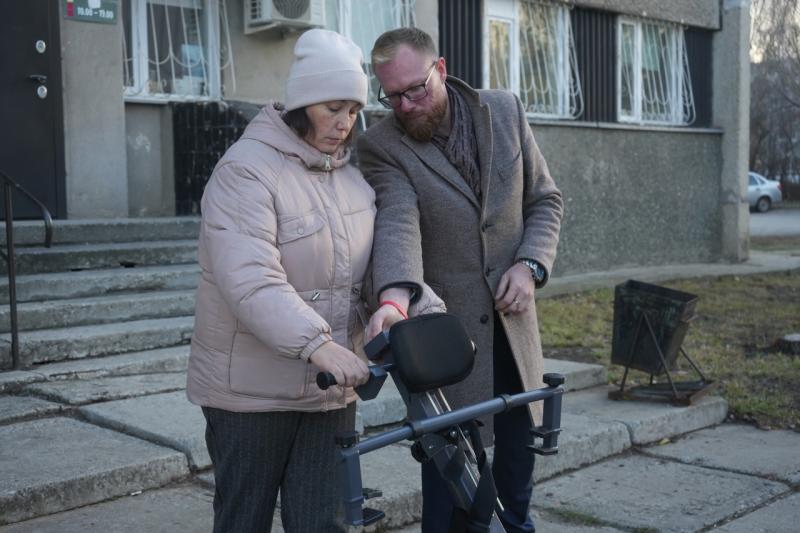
(653, 80)
(531, 51)
(175, 49)
(364, 21)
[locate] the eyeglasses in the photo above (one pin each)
(412, 94)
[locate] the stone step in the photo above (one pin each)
(88, 283)
(388, 406)
(85, 231)
(173, 359)
(46, 467)
(67, 257)
(50, 345)
(99, 310)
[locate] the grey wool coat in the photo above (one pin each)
(430, 227)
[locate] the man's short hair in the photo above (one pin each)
(386, 45)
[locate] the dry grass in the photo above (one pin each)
(738, 320)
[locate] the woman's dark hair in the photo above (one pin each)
(298, 120)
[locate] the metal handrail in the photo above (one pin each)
(8, 183)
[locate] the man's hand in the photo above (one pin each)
(348, 369)
(515, 292)
(386, 315)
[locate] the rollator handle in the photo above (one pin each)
(367, 391)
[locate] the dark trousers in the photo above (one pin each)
(512, 467)
(257, 454)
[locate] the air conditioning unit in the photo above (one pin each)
(264, 14)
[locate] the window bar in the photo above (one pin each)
(141, 47)
(125, 55)
(224, 23)
(203, 59)
(171, 52)
(575, 90)
(157, 61)
(689, 114)
(211, 87)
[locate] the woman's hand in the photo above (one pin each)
(386, 315)
(348, 369)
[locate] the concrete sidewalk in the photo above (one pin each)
(118, 429)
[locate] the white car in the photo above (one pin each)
(762, 193)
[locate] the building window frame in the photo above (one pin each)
(136, 53)
(673, 96)
(339, 17)
(562, 65)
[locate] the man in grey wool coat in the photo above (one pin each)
(466, 204)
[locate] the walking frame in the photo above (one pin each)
(424, 354)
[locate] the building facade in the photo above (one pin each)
(640, 107)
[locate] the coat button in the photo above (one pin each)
(484, 319)
(489, 271)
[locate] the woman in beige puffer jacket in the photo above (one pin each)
(284, 248)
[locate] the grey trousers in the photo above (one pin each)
(257, 454)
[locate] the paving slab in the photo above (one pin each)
(781, 516)
(647, 421)
(393, 471)
(79, 392)
(181, 508)
(13, 408)
(578, 375)
(583, 440)
(15, 379)
(48, 345)
(636, 491)
(167, 419)
(548, 522)
(55, 464)
(740, 448)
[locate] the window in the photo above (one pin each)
(653, 74)
(363, 21)
(531, 52)
(171, 49)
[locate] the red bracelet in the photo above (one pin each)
(396, 306)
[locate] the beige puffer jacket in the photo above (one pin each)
(284, 247)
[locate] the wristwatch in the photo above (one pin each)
(537, 270)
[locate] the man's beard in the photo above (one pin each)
(423, 127)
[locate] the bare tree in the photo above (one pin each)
(775, 88)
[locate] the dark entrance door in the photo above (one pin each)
(31, 123)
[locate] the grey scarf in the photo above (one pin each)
(461, 146)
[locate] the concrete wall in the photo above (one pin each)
(634, 196)
(701, 13)
(262, 60)
(94, 120)
(151, 161)
(732, 114)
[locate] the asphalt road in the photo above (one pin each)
(775, 223)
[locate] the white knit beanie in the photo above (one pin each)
(326, 67)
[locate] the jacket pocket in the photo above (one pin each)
(255, 372)
(511, 168)
(293, 227)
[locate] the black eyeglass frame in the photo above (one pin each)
(386, 100)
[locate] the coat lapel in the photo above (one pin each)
(435, 159)
(482, 121)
